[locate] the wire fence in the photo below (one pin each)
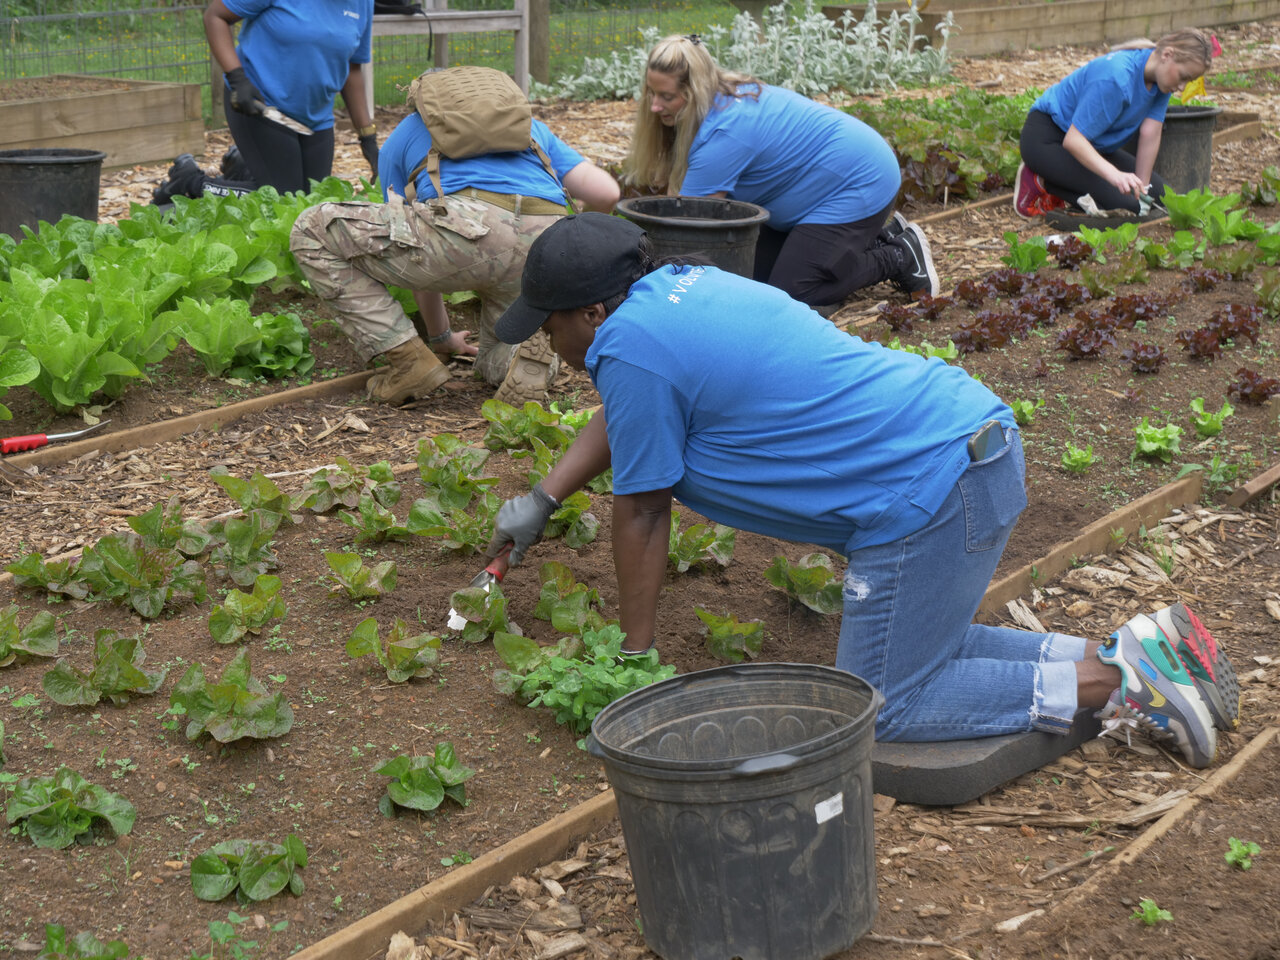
(165, 40)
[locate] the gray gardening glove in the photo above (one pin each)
(520, 522)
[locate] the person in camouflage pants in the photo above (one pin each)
(477, 239)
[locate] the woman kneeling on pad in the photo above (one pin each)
(828, 180)
(1072, 141)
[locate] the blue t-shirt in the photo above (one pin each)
(517, 171)
(760, 414)
(800, 160)
(299, 52)
(1106, 100)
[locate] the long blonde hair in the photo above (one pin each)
(659, 156)
(1188, 45)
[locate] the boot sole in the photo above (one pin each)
(418, 391)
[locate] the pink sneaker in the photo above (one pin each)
(1030, 198)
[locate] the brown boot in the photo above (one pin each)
(531, 372)
(412, 371)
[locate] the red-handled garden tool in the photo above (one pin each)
(491, 574)
(34, 440)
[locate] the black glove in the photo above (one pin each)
(520, 522)
(369, 147)
(245, 97)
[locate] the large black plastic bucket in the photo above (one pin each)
(745, 799)
(1186, 147)
(44, 183)
(723, 231)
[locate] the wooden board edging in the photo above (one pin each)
(1259, 484)
(1093, 539)
(368, 937)
(149, 434)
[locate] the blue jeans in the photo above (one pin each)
(908, 630)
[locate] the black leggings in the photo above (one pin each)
(1068, 178)
(822, 263)
(276, 156)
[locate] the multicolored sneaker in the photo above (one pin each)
(1207, 663)
(1156, 692)
(1030, 198)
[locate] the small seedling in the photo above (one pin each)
(1240, 853)
(1077, 459)
(1024, 411)
(1150, 913)
(1209, 424)
(457, 859)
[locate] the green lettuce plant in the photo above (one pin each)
(358, 582)
(1078, 459)
(728, 638)
(571, 607)
(243, 613)
(402, 653)
(235, 706)
(699, 545)
(423, 783)
(83, 946)
(53, 811)
(345, 483)
(1157, 442)
(251, 869)
(163, 527)
(1207, 423)
(39, 638)
(116, 674)
(812, 581)
(482, 613)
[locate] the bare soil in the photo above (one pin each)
(45, 88)
(946, 876)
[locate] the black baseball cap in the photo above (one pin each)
(582, 259)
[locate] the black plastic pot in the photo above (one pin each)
(45, 183)
(1186, 147)
(723, 231)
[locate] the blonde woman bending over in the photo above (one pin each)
(828, 180)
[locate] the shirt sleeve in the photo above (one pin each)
(647, 421)
(716, 164)
(364, 47)
(247, 8)
(562, 156)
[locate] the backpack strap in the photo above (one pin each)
(431, 164)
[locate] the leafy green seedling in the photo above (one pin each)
(926, 349)
(259, 492)
(1209, 424)
(480, 614)
(700, 545)
(573, 521)
(1025, 256)
(234, 707)
(456, 859)
(1240, 853)
(359, 582)
(1149, 913)
(38, 638)
(54, 811)
(244, 545)
(570, 606)
(242, 613)
(251, 869)
(403, 654)
(811, 580)
(422, 783)
(1076, 459)
(83, 946)
(1024, 411)
(373, 522)
(577, 678)
(163, 527)
(122, 568)
(515, 429)
(33, 572)
(728, 638)
(117, 672)
(1162, 442)
(344, 484)
(451, 469)
(459, 531)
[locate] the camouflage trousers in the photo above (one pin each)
(350, 252)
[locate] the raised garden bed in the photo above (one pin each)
(132, 121)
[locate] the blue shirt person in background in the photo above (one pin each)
(828, 181)
(1073, 137)
(296, 56)
(908, 467)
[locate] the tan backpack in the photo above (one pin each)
(471, 111)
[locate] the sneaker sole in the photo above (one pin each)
(934, 286)
(1210, 671)
(1017, 184)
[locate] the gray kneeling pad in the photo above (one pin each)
(957, 771)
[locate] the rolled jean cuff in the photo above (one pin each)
(1062, 646)
(1054, 705)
